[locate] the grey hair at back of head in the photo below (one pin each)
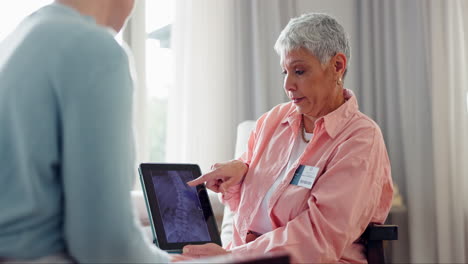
(319, 33)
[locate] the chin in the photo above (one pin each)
(300, 110)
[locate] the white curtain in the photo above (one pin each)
(393, 69)
(201, 109)
(226, 72)
(449, 71)
(413, 64)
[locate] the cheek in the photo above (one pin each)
(314, 95)
(308, 89)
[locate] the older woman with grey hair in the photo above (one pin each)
(316, 171)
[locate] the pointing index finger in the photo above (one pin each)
(203, 178)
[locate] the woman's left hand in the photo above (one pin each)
(205, 250)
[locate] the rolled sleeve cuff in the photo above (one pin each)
(231, 199)
(240, 250)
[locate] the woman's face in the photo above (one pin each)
(311, 86)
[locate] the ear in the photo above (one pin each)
(339, 64)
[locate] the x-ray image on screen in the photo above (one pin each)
(180, 208)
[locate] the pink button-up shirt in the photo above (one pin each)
(352, 189)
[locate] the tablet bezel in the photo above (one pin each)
(156, 221)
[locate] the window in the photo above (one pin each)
(12, 12)
(159, 72)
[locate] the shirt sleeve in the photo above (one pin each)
(246, 157)
(95, 91)
(342, 203)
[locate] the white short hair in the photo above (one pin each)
(320, 34)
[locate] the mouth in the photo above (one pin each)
(297, 100)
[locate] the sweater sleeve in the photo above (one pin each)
(95, 95)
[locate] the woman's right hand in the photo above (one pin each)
(222, 176)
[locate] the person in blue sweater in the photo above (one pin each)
(66, 141)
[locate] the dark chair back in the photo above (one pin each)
(373, 238)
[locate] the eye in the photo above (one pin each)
(283, 72)
(299, 72)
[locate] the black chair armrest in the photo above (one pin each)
(373, 239)
(380, 232)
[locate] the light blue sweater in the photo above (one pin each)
(66, 143)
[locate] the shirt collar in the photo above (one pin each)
(335, 121)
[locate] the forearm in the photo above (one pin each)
(231, 196)
(110, 234)
(99, 222)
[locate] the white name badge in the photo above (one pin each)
(305, 176)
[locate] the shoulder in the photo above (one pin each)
(270, 120)
(94, 45)
(89, 61)
(364, 125)
(90, 53)
(278, 113)
(89, 57)
(363, 135)
(68, 37)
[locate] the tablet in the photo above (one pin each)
(179, 214)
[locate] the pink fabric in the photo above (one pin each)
(352, 189)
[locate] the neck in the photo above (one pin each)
(309, 123)
(334, 103)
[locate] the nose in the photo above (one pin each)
(289, 84)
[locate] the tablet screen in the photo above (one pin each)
(179, 214)
(181, 210)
